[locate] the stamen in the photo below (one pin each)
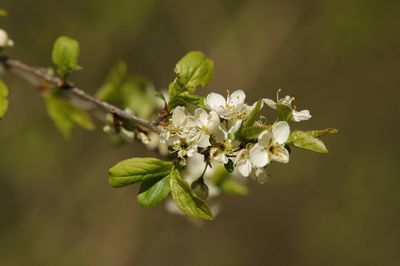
(277, 94)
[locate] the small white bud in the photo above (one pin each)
(4, 39)
(144, 138)
(108, 129)
(127, 135)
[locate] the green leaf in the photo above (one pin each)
(185, 200)
(153, 191)
(184, 99)
(284, 112)
(160, 95)
(128, 92)
(323, 132)
(116, 77)
(253, 115)
(194, 69)
(306, 140)
(251, 132)
(3, 98)
(135, 95)
(65, 115)
(174, 89)
(136, 170)
(65, 55)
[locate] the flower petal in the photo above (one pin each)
(234, 125)
(236, 98)
(264, 138)
(220, 134)
(270, 103)
(244, 167)
(301, 115)
(215, 102)
(280, 154)
(190, 122)
(261, 175)
(204, 141)
(258, 156)
(178, 116)
(280, 132)
(239, 155)
(221, 157)
(195, 166)
(201, 116)
(213, 122)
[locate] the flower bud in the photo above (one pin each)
(4, 40)
(200, 189)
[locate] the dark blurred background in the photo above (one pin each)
(341, 60)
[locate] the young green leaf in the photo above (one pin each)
(306, 140)
(136, 170)
(284, 112)
(185, 98)
(253, 115)
(65, 115)
(153, 191)
(117, 76)
(128, 92)
(251, 132)
(3, 98)
(323, 132)
(194, 69)
(186, 201)
(65, 55)
(174, 89)
(135, 95)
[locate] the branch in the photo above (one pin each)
(12, 64)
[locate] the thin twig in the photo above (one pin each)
(9, 63)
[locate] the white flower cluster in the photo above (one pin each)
(211, 129)
(5, 41)
(212, 132)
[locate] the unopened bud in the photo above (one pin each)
(200, 189)
(127, 135)
(5, 41)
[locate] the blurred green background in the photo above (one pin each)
(341, 60)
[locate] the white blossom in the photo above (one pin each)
(245, 167)
(156, 143)
(226, 144)
(243, 164)
(186, 133)
(271, 146)
(207, 123)
(229, 107)
(5, 41)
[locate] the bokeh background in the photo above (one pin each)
(341, 60)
